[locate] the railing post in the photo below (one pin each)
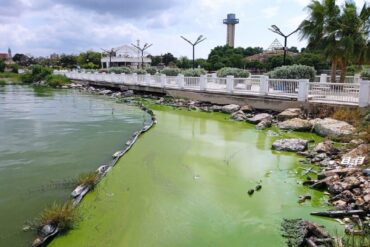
(364, 94)
(181, 81)
(323, 78)
(203, 82)
(230, 83)
(134, 79)
(264, 85)
(163, 80)
(356, 78)
(303, 85)
(147, 79)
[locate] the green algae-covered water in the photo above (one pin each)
(185, 183)
(49, 137)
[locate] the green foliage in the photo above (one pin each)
(68, 61)
(151, 70)
(293, 72)
(38, 73)
(194, 72)
(27, 78)
(315, 60)
(89, 179)
(238, 73)
(170, 71)
(120, 70)
(184, 62)
(89, 60)
(14, 68)
(2, 82)
(277, 61)
(57, 80)
(2, 65)
(226, 56)
(139, 71)
(365, 74)
(63, 216)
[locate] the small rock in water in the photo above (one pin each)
(302, 199)
(258, 187)
(250, 192)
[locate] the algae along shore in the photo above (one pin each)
(186, 182)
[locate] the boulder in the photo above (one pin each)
(259, 117)
(105, 92)
(333, 128)
(326, 146)
(292, 145)
(361, 150)
(295, 124)
(264, 124)
(239, 116)
(128, 93)
(216, 108)
(246, 108)
(289, 114)
(230, 108)
(340, 204)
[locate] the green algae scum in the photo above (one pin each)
(185, 183)
(48, 138)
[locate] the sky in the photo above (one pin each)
(43, 27)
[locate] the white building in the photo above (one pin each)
(127, 56)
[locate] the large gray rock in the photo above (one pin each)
(292, 145)
(259, 117)
(332, 127)
(238, 116)
(264, 124)
(326, 146)
(246, 108)
(295, 124)
(289, 114)
(230, 108)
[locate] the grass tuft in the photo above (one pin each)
(88, 179)
(63, 216)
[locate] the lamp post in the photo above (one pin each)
(110, 52)
(277, 30)
(146, 46)
(199, 39)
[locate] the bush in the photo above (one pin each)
(62, 216)
(194, 72)
(27, 78)
(39, 72)
(2, 65)
(57, 80)
(352, 116)
(151, 70)
(238, 73)
(365, 74)
(120, 70)
(14, 68)
(293, 72)
(170, 71)
(139, 71)
(2, 83)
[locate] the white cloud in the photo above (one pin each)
(271, 11)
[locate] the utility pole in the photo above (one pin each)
(146, 46)
(277, 30)
(199, 39)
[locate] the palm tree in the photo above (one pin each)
(342, 36)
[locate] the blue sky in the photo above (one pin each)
(42, 27)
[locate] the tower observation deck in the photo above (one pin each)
(231, 21)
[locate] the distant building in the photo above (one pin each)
(7, 57)
(125, 56)
(276, 48)
(230, 22)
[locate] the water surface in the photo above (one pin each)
(49, 137)
(185, 183)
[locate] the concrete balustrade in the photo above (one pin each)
(302, 90)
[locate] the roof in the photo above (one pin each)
(269, 53)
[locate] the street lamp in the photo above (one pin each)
(146, 46)
(199, 39)
(277, 30)
(110, 52)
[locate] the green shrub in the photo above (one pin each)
(2, 83)
(14, 68)
(39, 72)
(293, 72)
(194, 72)
(57, 80)
(63, 216)
(139, 71)
(27, 78)
(170, 71)
(120, 70)
(238, 73)
(2, 65)
(151, 70)
(365, 74)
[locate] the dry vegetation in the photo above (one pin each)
(61, 215)
(88, 179)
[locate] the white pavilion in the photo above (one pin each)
(125, 56)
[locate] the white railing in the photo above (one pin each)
(287, 87)
(301, 90)
(334, 92)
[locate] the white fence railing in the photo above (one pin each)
(343, 93)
